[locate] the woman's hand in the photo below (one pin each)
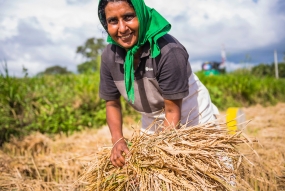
(114, 120)
(117, 156)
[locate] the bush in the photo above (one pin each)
(243, 89)
(67, 103)
(266, 70)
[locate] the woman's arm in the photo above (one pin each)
(172, 113)
(114, 121)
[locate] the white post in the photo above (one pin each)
(224, 58)
(276, 64)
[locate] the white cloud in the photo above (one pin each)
(201, 25)
(64, 25)
(204, 26)
(8, 28)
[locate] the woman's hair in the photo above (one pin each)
(101, 10)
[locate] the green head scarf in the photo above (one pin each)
(152, 26)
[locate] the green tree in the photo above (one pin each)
(268, 70)
(88, 66)
(55, 70)
(91, 50)
(281, 69)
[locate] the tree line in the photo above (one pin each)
(90, 51)
(93, 47)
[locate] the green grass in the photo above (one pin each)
(67, 103)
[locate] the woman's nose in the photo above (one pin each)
(122, 27)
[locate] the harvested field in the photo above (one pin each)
(54, 163)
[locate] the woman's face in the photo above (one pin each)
(122, 23)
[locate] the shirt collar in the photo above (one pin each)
(145, 50)
(120, 53)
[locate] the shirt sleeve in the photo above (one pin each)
(107, 90)
(173, 74)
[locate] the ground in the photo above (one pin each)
(30, 163)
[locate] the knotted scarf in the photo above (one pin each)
(152, 26)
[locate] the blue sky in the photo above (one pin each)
(40, 34)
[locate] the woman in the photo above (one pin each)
(150, 69)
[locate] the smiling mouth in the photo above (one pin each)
(126, 37)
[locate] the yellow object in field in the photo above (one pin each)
(235, 119)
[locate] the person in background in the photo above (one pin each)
(150, 69)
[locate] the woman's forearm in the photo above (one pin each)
(172, 112)
(114, 119)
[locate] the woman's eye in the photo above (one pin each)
(112, 21)
(129, 17)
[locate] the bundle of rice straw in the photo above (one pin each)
(203, 157)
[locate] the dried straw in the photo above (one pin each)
(203, 157)
(32, 164)
(41, 163)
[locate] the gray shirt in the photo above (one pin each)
(156, 79)
(168, 76)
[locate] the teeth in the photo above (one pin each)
(125, 37)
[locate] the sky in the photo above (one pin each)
(39, 34)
